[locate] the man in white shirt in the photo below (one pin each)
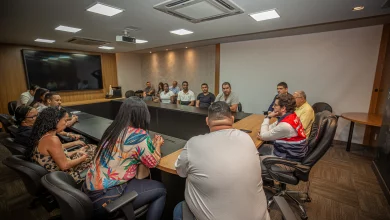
(228, 96)
(26, 98)
(186, 96)
(223, 173)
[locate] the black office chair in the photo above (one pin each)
(76, 205)
(239, 107)
(6, 121)
(13, 130)
(321, 137)
(129, 93)
(12, 107)
(321, 106)
(31, 175)
(14, 148)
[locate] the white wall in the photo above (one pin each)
(336, 67)
(129, 71)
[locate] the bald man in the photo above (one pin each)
(304, 111)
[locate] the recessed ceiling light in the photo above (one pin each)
(181, 32)
(44, 40)
(186, 47)
(104, 9)
(67, 29)
(265, 15)
(106, 48)
(150, 51)
(138, 41)
(358, 8)
(166, 49)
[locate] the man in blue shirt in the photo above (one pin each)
(175, 89)
(282, 88)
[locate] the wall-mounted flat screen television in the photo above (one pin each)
(58, 71)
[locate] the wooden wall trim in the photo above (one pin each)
(217, 68)
(370, 132)
(13, 77)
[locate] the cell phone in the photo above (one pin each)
(246, 131)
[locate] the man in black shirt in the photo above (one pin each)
(205, 99)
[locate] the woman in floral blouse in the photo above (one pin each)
(126, 145)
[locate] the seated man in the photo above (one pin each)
(223, 172)
(53, 99)
(205, 99)
(287, 132)
(175, 89)
(26, 98)
(186, 96)
(282, 88)
(148, 92)
(25, 117)
(304, 111)
(228, 96)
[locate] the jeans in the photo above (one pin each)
(149, 192)
(267, 150)
(179, 213)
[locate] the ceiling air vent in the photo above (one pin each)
(197, 11)
(87, 41)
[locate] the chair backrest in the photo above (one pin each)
(321, 137)
(12, 107)
(321, 106)
(6, 121)
(239, 107)
(74, 204)
(13, 130)
(14, 148)
(29, 172)
(129, 93)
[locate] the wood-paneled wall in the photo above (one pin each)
(13, 77)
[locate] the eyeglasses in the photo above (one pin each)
(298, 97)
(34, 116)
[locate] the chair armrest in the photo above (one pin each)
(73, 148)
(300, 170)
(287, 213)
(121, 201)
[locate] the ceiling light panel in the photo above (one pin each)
(104, 9)
(181, 32)
(265, 15)
(67, 29)
(106, 48)
(139, 41)
(44, 40)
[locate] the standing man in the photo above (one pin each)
(186, 96)
(26, 98)
(304, 111)
(212, 190)
(148, 92)
(228, 96)
(282, 88)
(205, 99)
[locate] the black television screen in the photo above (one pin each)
(59, 71)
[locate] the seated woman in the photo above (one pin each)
(167, 96)
(124, 147)
(25, 117)
(39, 98)
(48, 150)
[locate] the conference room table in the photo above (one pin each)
(180, 129)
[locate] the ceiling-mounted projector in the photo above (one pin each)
(125, 39)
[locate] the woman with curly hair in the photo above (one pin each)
(124, 148)
(48, 150)
(39, 98)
